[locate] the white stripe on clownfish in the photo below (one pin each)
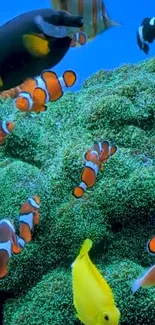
(27, 218)
(83, 185)
(6, 246)
(94, 152)
(21, 242)
(33, 203)
(62, 82)
(42, 84)
(4, 127)
(93, 166)
(28, 97)
(100, 146)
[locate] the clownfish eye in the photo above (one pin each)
(106, 317)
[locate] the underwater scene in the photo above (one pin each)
(77, 162)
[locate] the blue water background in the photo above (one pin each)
(110, 49)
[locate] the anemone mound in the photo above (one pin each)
(44, 156)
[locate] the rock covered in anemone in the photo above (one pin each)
(44, 155)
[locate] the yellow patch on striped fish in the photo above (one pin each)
(95, 15)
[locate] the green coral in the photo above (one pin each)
(44, 156)
(51, 302)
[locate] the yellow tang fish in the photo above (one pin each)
(95, 15)
(93, 298)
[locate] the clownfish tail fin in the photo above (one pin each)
(69, 78)
(150, 246)
(78, 191)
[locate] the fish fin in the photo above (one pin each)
(78, 192)
(90, 39)
(1, 82)
(83, 38)
(110, 22)
(49, 29)
(77, 315)
(4, 257)
(87, 244)
(73, 41)
(69, 78)
(55, 4)
(49, 74)
(22, 104)
(25, 232)
(41, 109)
(44, 108)
(87, 155)
(105, 151)
(150, 246)
(113, 149)
(135, 285)
(36, 45)
(39, 96)
(16, 249)
(113, 23)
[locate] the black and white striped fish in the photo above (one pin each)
(146, 34)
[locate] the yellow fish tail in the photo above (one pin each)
(87, 244)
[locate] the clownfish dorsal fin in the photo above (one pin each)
(48, 75)
(112, 150)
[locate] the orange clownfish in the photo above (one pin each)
(8, 245)
(94, 159)
(151, 246)
(29, 216)
(36, 92)
(79, 39)
(5, 129)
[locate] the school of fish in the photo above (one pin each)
(34, 43)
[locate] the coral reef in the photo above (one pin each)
(44, 156)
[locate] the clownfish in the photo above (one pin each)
(36, 92)
(150, 247)
(8, 245)
(5, 129)
(29, 216)
(94, 159)
(92, 296)
(79, 39)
